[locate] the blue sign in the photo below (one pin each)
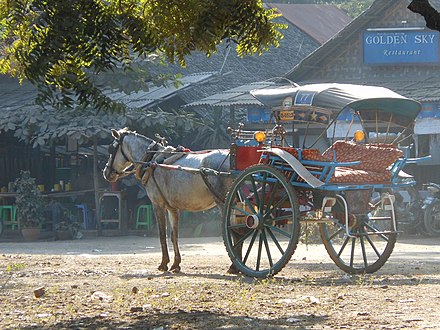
(429, 110)
(401, 46)
(304, 98)
(259, 115)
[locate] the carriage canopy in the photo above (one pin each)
(333, 98)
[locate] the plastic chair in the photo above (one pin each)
(111, 208)
(144, 216)
(9, 215)
(87, 218)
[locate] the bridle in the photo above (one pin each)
(113, 149)
(117, 144)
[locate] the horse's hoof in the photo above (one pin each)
(175, 269)
(162, 268)
(233, 270)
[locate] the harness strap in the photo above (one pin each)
(147, 174)
(160, 191)
(204, 174)
(144, 174)
(122, 146)
(148, 156)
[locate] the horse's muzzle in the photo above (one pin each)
(109, 175)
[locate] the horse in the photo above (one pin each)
(182, 186)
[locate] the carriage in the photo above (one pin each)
(345, 190)
(338, 175)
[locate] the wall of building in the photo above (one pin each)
(342, 60)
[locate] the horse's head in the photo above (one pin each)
(119, 160)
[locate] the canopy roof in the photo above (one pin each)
(337, 97)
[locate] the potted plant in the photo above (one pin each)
(29, 203)
(63, 230)
(68, 228)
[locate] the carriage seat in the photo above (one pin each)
(375, 160)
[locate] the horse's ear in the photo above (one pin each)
(115, 134)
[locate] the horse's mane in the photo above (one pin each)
(126, 130)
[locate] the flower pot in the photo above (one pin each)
(31, 234)
(63, 234)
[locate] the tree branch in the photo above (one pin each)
(424, 8)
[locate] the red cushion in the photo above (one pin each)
(373, 157)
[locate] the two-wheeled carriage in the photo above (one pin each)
(342, 182)
(280, 186)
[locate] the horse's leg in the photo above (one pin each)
(174, 222)
(238, 248)
(160, 214)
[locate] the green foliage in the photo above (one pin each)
(29, 201)
(62, 46)
(44, 126)
(210, 129)
(10, 270)
(352, 7)
(355, 7)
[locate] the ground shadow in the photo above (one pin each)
(189, 320)
(312, 274)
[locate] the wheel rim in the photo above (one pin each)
(261, 228)
(373, 240)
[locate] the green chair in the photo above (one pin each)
(9, 215)
(144, 217)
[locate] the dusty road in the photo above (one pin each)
(113, 283)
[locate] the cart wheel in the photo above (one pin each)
(261, 220)
(432, 219)
(371, 241)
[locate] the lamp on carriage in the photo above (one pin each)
(260, 136)
(359, 136)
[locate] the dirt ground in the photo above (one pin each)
(113, 283)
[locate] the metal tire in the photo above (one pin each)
(265, 229)
(360, 254)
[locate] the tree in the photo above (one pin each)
(62, 46)
(352, 7)
(431, 15)
(41, 127)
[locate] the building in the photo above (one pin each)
(389, 46)
(309, 26)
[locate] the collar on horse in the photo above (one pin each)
(141, 173)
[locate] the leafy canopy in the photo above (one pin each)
(61, 46)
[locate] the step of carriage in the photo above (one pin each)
(375, 233)
(379, 218)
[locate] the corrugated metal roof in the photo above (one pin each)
(319, 21)
(234, 97)
(13, 95)
(157, 94)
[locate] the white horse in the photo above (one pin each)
(170, 189)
